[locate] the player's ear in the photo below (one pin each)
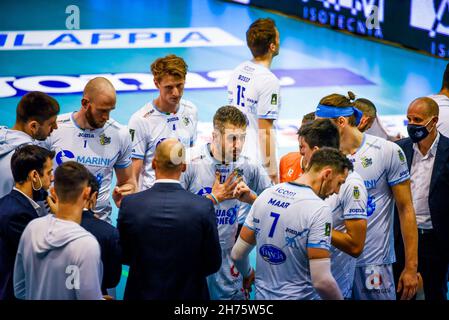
(183, 167)
(153, 164)
(156, 83)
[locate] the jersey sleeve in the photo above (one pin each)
(249, 221)
(124, 158)
(195, 126)
(269, 99)
(138, 138)
(354, 197)
(320, 229)
(396, 170)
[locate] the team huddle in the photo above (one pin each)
(322, 225)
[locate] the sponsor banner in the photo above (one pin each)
(419, 24)
(132, 82)
(117, 38)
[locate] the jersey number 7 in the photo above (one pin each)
(273, 226)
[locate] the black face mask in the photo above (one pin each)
(418, 132)
(40, 195)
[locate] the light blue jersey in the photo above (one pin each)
(199, 179)
(288, 219)
(100, 151)
(349, 203)
(255, 90)
(10, 140)
(381, 164)
(149, 126)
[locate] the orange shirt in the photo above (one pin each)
(290, 167)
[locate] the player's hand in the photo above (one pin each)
(247, 284)
(243, 193)
(52, 204)
(225, 191)
(408, 284)
(122, 191)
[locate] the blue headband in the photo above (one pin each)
(323, 111)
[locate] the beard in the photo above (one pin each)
(91, 120)
(41, 135)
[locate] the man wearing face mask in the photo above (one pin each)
(427, 153)
(32, 169)
(219, 172)
(35, 120)
(291, 226)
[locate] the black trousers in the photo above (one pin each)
(433, 264)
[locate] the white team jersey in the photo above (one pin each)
(199, 179)
(149, 126)
(443, 119)
(255, 90)
(287, 219)
(100, 151)
(10, 140)
(349, 203)
(381, 164)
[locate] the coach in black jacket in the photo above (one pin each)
(168, 235)
(429, 182)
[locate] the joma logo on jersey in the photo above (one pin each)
(297, 233)
(86, 135)
(94, 161)
(172, 119)
(279, 203)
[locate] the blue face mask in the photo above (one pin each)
(418, 132)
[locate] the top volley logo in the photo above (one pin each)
(64, 156)
(430, 15)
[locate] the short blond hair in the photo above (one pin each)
(169, 65)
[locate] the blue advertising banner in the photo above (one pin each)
(417, 24)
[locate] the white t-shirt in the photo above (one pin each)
(199, 179)
(287, 219)
(381, 164)
(443, 119)
(149, 126)
(255, 90)
(349, 203)
(100, 151)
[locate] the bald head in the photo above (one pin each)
(169, 157)
(99, 88)
(424, 107)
